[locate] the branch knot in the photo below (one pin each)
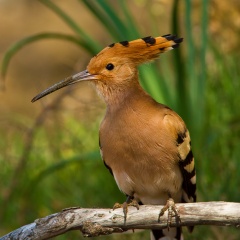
(90, 229)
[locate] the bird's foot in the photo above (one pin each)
(125, 205)
(170, 206)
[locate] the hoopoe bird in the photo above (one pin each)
(145, 144)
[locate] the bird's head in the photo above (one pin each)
(115, 67)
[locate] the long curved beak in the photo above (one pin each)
(81, 76)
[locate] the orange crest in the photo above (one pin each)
(143, 49)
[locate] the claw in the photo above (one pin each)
(170, 206)
(125, 205)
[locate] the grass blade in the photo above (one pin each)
(129, 21)
(124, 31)
(94, 45)
(91, 156)
(22, 43)
(102, 16)
(180, 76)
(201, 84)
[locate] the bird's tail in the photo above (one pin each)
(165, 234)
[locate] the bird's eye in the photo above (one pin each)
(110, 66)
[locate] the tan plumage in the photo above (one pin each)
(145, 144)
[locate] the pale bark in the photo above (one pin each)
(95, 222)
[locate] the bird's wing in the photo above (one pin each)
(182, 139)
(186, 160)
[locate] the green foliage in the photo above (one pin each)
(205, 95)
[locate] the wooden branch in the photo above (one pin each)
(95, 222)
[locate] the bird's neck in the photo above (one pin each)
(117, 95)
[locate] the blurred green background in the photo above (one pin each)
(49, 150)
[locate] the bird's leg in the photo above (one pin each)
(130, 201)
(170, 206)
